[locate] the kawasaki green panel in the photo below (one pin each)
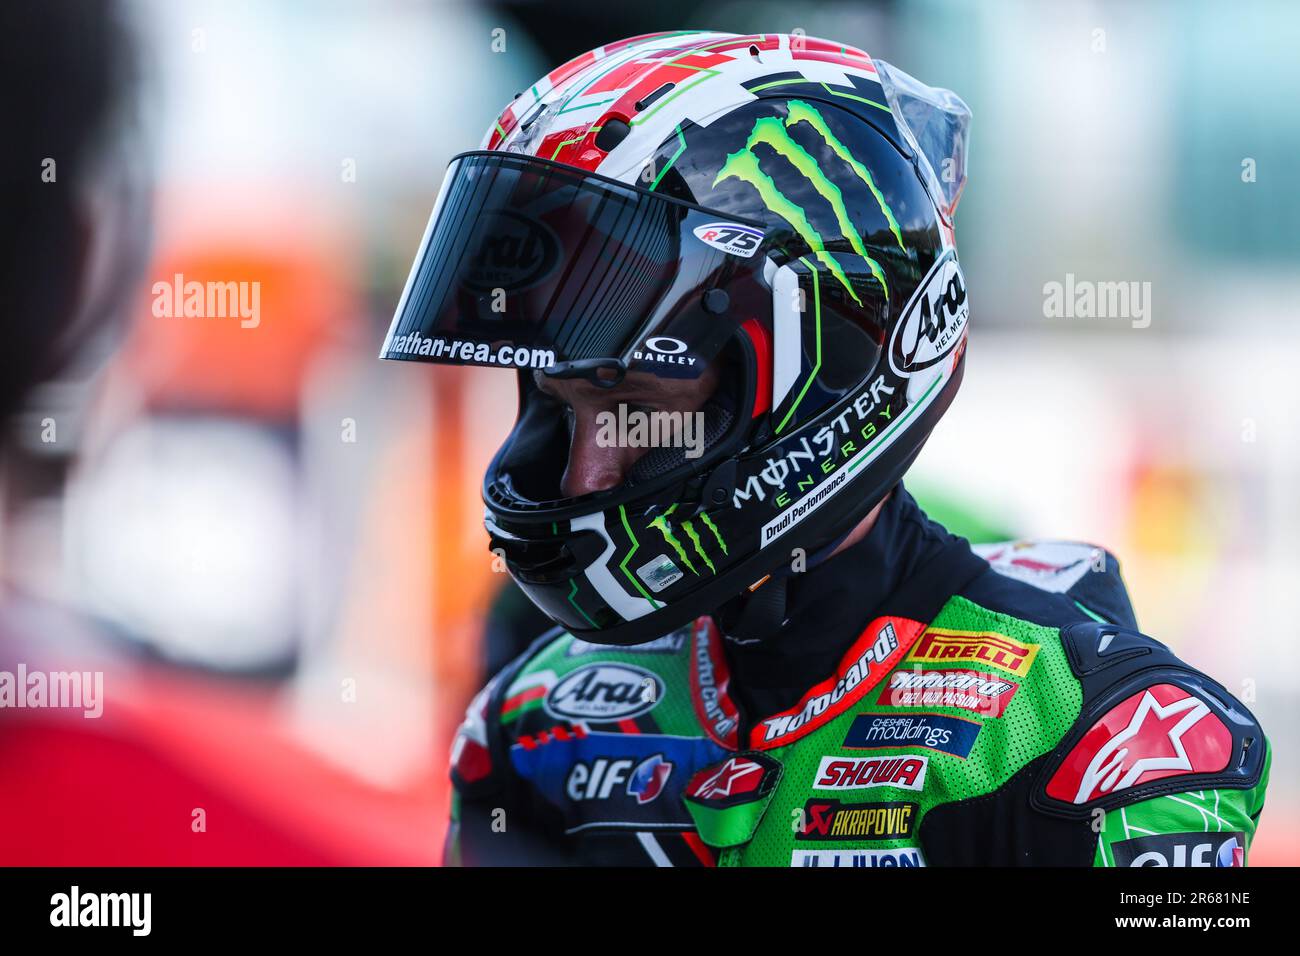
(1043, 706)
(954, 710)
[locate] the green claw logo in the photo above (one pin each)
(775, 133)
(665, 528)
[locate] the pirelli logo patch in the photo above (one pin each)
(965, 647)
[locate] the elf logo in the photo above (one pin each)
(1182, 849)
(934, 320)
(649, 778)
(604, 692)
(600, 778)
(730, 237)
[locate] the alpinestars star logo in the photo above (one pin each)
(741, 778)
(734, 776)
(773, 132)
(1162, 731)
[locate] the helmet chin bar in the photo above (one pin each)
(762, 565)
(754, 572)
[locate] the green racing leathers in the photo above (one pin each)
(924, 704)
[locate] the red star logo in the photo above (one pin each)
(1161, 731)
(723, 782)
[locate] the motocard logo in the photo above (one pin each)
(905, 857)
(709, 680)
(951, 735)
(1183, 849)
(862, 773)
(604, 692)
(730, 237)
(933, 321)
(997, 650)
(979, 692)
(1162, 731)
(872, 653)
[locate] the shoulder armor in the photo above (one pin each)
(1149, 725)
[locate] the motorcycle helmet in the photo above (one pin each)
(773, 211)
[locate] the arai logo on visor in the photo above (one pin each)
(509, 251)
(731, 237)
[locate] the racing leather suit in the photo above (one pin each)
(925, 703)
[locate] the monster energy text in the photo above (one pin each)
(809, 460)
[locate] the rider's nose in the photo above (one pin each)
(591, 466)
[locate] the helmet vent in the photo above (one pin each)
(612, 132)
(651, 97)
(533, 116)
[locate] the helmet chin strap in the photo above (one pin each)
(758, 616)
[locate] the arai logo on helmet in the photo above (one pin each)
(934, 320)
(603, 692)
(730, 237)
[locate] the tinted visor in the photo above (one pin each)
(528, 263)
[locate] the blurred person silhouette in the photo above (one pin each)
(74, 198)
(74, 203)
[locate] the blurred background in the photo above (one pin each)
(270, 543)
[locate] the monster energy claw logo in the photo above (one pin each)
(666, 529)
(775, 133)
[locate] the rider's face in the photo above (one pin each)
(595, 465)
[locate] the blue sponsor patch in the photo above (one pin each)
(950, 735)
(607, 780)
